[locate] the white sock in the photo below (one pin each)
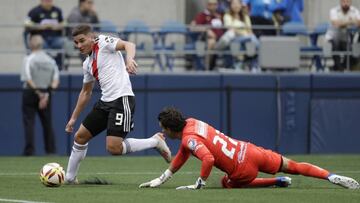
(78, 153)
(134, 145)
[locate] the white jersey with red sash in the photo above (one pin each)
(107, 66)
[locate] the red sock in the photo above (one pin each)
(257, 182)
(262, 182)
(306, 169)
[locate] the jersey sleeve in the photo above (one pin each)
(333, 14)
(181, 157)
(25, 73)
(301, 5)
(357, 14)
(87, 76)
(108, 42)
(200, 19)
(227, 20)
(60, 15)
(199, 150)
(32, 16)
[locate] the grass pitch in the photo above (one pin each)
(19, 182)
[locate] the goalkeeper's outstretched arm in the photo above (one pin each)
(182, 156)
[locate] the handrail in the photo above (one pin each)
(154, 29)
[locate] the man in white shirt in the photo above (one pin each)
(115, 109)
(342, 17)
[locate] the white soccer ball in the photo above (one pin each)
(52, 175)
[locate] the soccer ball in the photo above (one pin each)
(52, 175)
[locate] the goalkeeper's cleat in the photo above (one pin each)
(162, 147)
(343, 181)
(72, 182)
(283, 181)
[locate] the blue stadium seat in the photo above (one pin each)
(107, 26)
(138, 29)
(299, 29)
(136, 26)
(241, 46)
(175, 28)
(318, 31)
(294, 29)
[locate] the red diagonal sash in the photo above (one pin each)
(94, 62)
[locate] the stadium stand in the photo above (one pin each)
(152, 21)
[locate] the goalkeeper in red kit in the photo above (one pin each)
(241, 161)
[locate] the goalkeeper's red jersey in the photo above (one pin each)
(212, 147)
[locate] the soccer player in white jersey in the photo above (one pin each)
(115, 109)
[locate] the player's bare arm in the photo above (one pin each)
(84, 97)
(130, 48)
(55, 84)
(339, 23)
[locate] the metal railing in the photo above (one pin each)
(155, 46)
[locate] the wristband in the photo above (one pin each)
(165, 176)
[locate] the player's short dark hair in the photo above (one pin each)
(172, 119)
(81, 29)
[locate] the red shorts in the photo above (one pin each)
(257, 159)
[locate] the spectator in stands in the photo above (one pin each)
(47, 20)
(342, 17)
(83, 13)
(211, 18)
(287, 11)
(293, 10)
(261, 15)
(239, 28)
(223, 6)
(40, 75)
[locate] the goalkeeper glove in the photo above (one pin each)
(200, 183)
(158, 181)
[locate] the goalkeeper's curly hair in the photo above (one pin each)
(172, 118)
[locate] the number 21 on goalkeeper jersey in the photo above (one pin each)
(226, 151)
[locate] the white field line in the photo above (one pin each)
(19, 201)
(101, 173)
(145, 173)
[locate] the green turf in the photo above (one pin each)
(19, 180)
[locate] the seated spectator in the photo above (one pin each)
(293, 10)
(47, 21)
(211, 18)
(342, 17)
(287, 11)
(83, 13)
(239, 27)
(223, 6)
(261, 15)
